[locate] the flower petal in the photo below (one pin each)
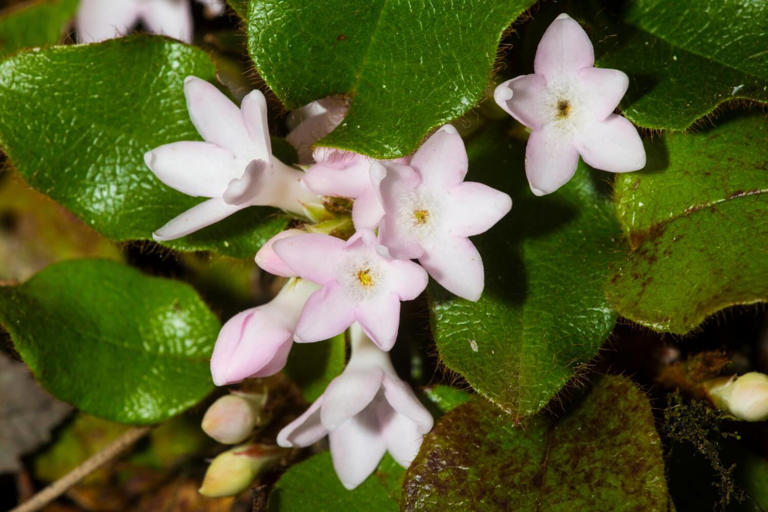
(348, 394)
(524, 99)
(457, 266)
(442, 159)
(254, 112)
(550, 160)
(612, 145)
(200, 216)
(173, 19)
(564, 48)
(475, 208)
(312, 256)
(344, 175)
(601, 90)
(98, 20)
(327, 313)
(312, 122)
(357, 447)
(305, 430)
(400, 434)
(268, 259)
(250, 344)
(400, 396)
(407, 279)
(194, 168)
(380, 319)
(217, 119)
(367, 211)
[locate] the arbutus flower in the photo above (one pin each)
(312, 122)
(430, 211)
(234, 167)
(360, 283)
(568, 104)
(365, 412)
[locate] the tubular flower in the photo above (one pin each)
(430, 211)
(365, 411)
(360, 282)
(312, 122)
(256, 342)
(568, 104)
(234, 167)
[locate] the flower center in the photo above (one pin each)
(563, 108)
(365, 278)
(420, 216)
(361, 276)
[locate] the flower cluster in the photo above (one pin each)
(412, 219)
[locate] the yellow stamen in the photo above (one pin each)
(421, 216)
(365, 278)
(563, 109)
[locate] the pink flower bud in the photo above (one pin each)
(233, 471)
(232, 418)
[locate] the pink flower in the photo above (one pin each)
(360, 282)
(365, 411)
(312, 122)
(98, 20)
(268, 260)
(234, 167)
(569, 104)
(256, 342)
(430, 211)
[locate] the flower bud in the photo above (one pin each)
(745, 397)
(232, 418)
(233, 471)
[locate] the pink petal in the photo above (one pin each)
(612, 145)
(475, 208)
(305, 430)
(407, 279)
(348, 394)
(442, 159)
(400, 396)
(550, 160)
(457, 266)
(312, 256)
(251, 343)
(173, 19)
(564, 48)
(98, 20)
(316, 120)
(348, 179)
(367, 211)
(194, 168)
(251, 185)
(200, 216)
(380, 318)
(524, 98)
(327, 313)
(400, 434)
(254, 112)
(356, 448)
(400, 182)
(601, 90)
(268, 259)
(216, 118)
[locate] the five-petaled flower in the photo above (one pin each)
(360, 283)
(365, 411)
(234, 166)
(430, 211)
(569, 104)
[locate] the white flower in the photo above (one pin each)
(745, 397)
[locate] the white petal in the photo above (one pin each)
(305, 430)
(254, 112)
(400, 396)
(357, 446)
(475, 208)
(442, 159)
(550, 160)
(169, 18)
(312, 122)
(455, 263)
(612, 145)
(98, 20)
(348, 394)
(401, 435)
(524, 98)
(601, 90)
(217, 119)
(194, 168)
(564, 49)
(196, 218)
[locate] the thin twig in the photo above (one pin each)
(61, 485)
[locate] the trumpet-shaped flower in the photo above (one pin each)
(430, 211)
(568, 104)
(360, 283)
(312, 122)
(98, 20)
(256, 342)
(365, 411)
(234, 167)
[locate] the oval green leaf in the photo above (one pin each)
(36, 23)
(111, 341)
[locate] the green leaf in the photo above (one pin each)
(35, 23)
(314, 365)
(543, 311)
(408, 66)
(603, 455)
(312, 486)
(111, 341)
(686, 58)
(77, 121)
(696, 223)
